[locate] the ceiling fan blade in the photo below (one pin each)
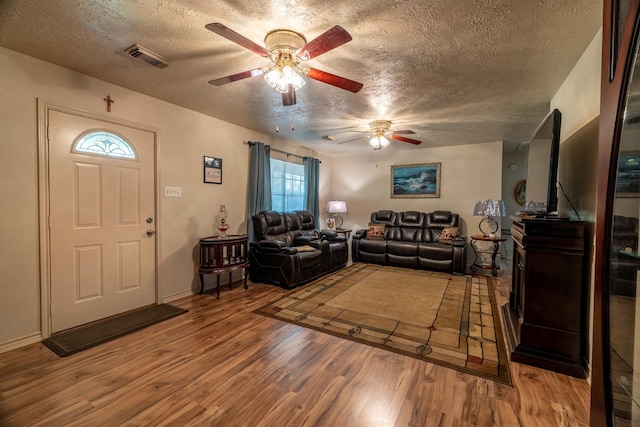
(403, 139)
(326, 41)
(403, 132)
(289, 98)
(332, 79)
(229, 34)
(235, 77)
(352, 139)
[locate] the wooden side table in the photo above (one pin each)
(223, 255)
(496, 247)
(346, 232)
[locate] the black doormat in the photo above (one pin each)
(83, 337)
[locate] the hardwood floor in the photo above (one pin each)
(221, 365)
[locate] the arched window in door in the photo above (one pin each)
(104, 143)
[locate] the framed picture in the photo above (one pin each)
(628, 179)
(212, 170)
(415, 181)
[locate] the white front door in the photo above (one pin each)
(102, 222)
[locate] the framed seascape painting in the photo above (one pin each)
(212, 170)
(415, 181)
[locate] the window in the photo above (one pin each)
(104, 144)
(287, 186)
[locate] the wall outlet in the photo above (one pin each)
(172, 191)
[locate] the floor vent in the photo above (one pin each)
(147, 56)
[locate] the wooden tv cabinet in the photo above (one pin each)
(545, 319)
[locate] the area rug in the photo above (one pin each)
(83, 337)
(449, 320)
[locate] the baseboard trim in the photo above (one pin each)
(173, 297)
(20, 342)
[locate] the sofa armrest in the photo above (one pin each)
(274, 246)
(459, 255)
(271, 244)
(288, 250)
(327, 234)
(304, 240)
(323, 245)
(332, 236)
(460, 241)
(360, 234)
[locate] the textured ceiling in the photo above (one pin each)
(453, 71)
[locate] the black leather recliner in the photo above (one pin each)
(275, 256)
(411, 239)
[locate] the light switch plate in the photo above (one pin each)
(172, 191)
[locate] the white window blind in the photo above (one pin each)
(287, 186)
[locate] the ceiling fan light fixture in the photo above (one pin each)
(283, 40)
(380, 126)
(273, 77)
(379, 141)
(280, 79)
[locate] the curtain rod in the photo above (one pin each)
(251, 143)
(286, 153)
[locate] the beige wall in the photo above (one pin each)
(578, 99)
(468, 173)
(510, 178)
(184, 136)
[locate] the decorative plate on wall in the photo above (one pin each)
(518, 192)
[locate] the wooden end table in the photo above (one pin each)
(223, 255)
(494, 252)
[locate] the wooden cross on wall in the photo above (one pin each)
(109, 101)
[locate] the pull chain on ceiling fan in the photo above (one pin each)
(287, 49)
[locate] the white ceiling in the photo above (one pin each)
(454, 71)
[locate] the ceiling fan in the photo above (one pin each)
(287, 49)
(380, 132)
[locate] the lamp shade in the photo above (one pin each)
(489, 208)
(337, 206)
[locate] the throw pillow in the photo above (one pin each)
(305, 248)
(448, 233)
(375, 232)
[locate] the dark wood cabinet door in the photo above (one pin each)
(616, 349)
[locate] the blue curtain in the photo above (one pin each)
(259, 192)
(312, 180)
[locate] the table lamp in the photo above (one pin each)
(336, 207)
(489, 208)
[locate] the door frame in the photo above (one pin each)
(44, 107)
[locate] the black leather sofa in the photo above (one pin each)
(288, 250)
(411, 239)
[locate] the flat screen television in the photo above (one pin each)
(541, 192)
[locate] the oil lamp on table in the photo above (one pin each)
(223, 226)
